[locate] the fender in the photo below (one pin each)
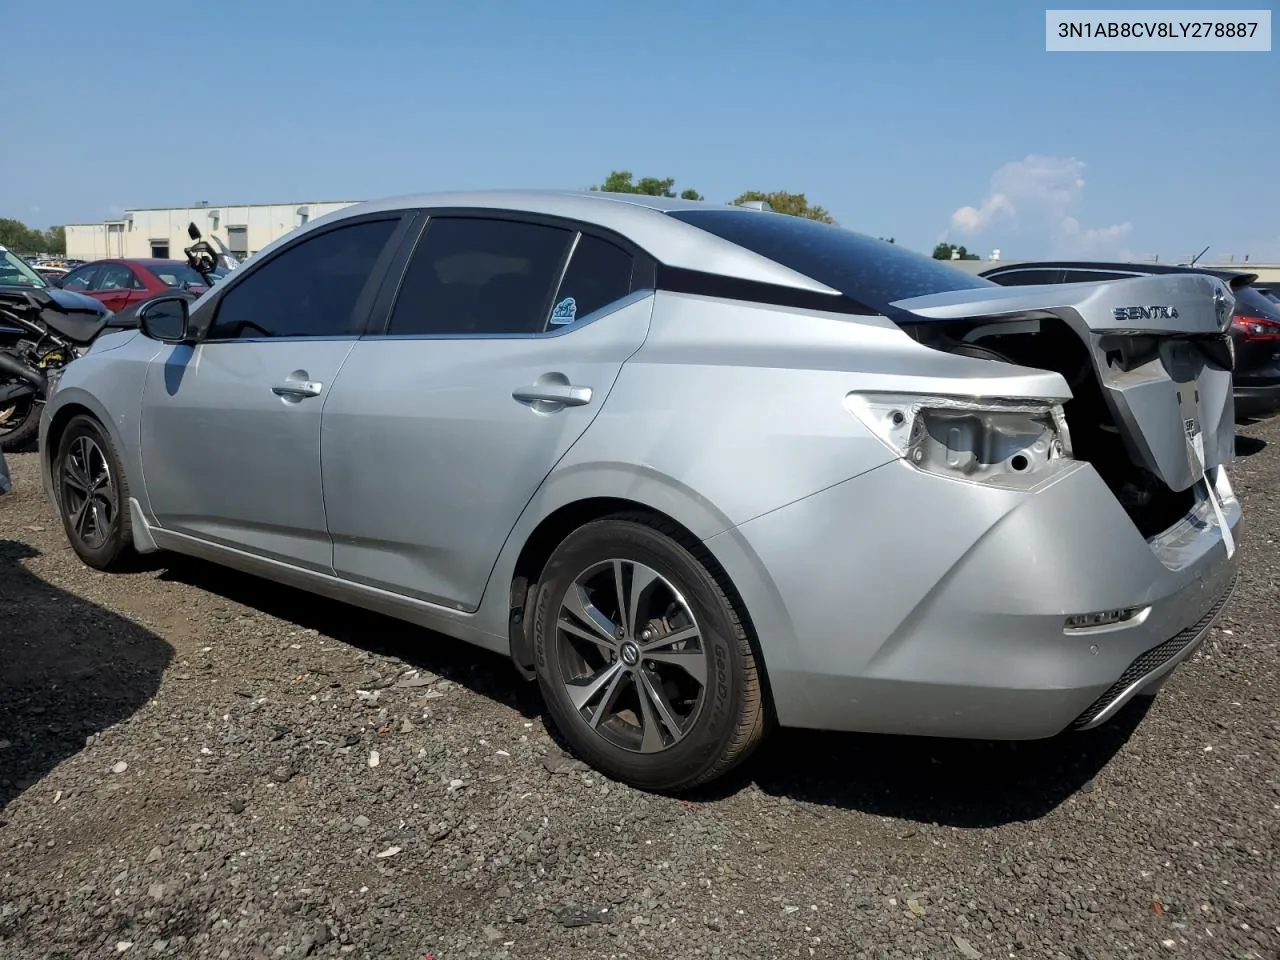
(501, 607)
(123, 434)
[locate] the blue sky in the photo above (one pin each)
(894, 116)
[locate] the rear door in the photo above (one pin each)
(231, 426)
(504, 340)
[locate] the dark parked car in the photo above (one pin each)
(1255, 321)
(120, 283)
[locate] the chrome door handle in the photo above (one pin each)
(564, 394)
(298, 389)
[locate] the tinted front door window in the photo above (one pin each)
(480, 276)
(82, 279)
(309, 290)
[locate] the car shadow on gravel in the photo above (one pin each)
(957, 783)
(482, 671)
(68, 669)
(950, 782)
(1247, 446)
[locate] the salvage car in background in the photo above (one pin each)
(119, 283)
(1255, 318)
(692, 468)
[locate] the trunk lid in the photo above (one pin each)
(1159, 349)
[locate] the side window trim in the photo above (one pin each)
(643, 273)
(550, 303)
(208, 316)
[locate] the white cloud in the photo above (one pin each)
(1036, 199)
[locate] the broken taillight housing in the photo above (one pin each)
(1015, 443)
(1255, 329)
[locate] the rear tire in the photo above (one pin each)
(642, 658)
(93, 495)
(19, 423)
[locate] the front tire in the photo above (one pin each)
(93, 495)
(642, 658)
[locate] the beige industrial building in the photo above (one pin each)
(162, 231)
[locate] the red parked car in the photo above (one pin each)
(119, 283)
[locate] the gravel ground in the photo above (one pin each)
(196, 764)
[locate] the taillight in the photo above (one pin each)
(1255, 328)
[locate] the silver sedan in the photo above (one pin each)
(696, 469)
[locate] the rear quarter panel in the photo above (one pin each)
(731, 410)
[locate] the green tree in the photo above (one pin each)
(20, 238)
(621, 181)
(794, 204)
(943, 251)
(56, 240)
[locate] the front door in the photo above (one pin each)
(231, 426)
(436, 435)
(114, 286)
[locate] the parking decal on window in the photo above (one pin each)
(565, 312)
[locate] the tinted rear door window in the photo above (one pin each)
(598, 274)
(476, 276)
(869, 271)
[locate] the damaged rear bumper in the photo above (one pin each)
(954, 622)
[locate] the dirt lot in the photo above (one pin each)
(196, 764)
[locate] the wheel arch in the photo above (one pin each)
(55, 425)
(551, 530)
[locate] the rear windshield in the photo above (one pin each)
(864, 269)
(1256, 304)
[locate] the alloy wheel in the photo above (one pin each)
(88, 494)
(632, 656)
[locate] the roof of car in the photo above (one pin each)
(638, 217)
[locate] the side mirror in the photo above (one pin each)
(165, 319)
(193, 231)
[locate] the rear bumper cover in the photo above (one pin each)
(899, 602)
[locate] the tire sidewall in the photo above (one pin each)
(703, 746)
(20, 437)
(112, 547)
